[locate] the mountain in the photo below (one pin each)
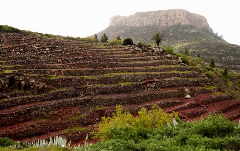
(180, 29)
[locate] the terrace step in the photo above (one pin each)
(233, 114)
(92, 71)
(103, 89)
(223, 106)
(40, 127)
(29, 111)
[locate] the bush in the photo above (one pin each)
(210, 74)
(5, 142)
(225, 72)
(213, 126)
(140, 45)
(123, 125)
(169, 50)
(212, 64)
(127, 41)
(213, 133)
(115, 42)
(89, 39)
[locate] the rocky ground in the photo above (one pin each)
(52, 87)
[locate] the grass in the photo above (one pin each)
(130, 73)
(87, 77)
(9, 71)
(74, 128)
(53, 76)
(77, 117)
(125, 83)
(211, 87)
(96, 108)
(35, 75)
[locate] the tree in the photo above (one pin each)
(127, 41)
(225, 72)
(186, 52)
(212, 64)
(157, 38)
(95, 37)
(140, 45)
(118, 37)
(104, 38)
(198, 54)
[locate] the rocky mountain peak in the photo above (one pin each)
(163, 18)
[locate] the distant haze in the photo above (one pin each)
(81, 18)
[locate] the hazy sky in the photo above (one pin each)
(81, 18)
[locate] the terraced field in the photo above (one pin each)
(82, 83)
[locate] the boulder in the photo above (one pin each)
(187, 96)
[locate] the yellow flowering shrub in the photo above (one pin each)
(151, 119)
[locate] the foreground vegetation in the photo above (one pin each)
(155, 130)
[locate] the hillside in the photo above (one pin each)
(59, 87)
(179, 29)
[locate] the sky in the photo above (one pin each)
(81, 18)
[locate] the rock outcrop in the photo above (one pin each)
(163, 18)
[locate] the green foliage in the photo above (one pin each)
(89, 39)
(5, 142)
(96, 38)
(210, 74)
(6, 28)
(213, 133)
(127, 41)
(198, 54)
(118, 37)
(157, 38)
(73, 128)
(186, 52)
(104, 38)
(169, 50)
(140, 45)
(212, 64)
(225, 72)
(53, 76)
(123, 124)
(186, 59)
(213, 126)
(115, 42)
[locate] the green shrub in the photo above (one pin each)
(140, 45)
(89, 39)
(213, 126)
(212, 64)
(213, 133)
(225, 72)
(127, 41)
(186, 52)
(5, 142)
(210, 74)
(123, 123)
(115, 42)
(169, 50)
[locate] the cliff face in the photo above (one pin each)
(163, 18)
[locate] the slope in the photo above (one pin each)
(56, 87)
